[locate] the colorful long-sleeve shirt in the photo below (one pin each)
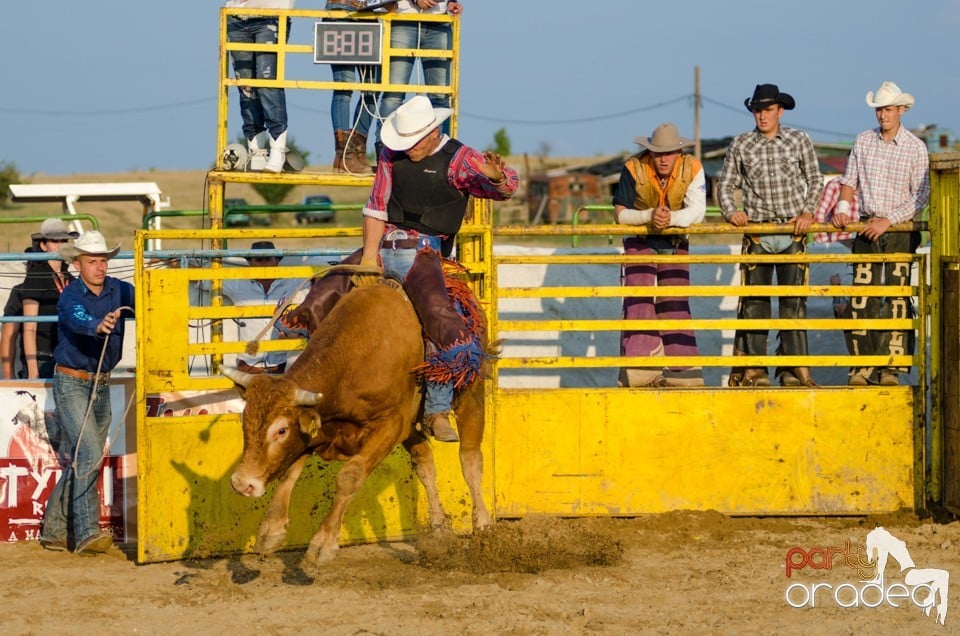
(891, 178)
(463, 174)
(779, 177)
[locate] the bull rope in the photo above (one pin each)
(254, 345)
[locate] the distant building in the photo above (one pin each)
(937, 139)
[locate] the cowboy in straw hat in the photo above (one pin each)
(776, 170)
(664, 188)
(91, 345)
(888, 170)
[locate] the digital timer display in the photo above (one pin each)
(347, 42)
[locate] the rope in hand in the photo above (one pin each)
(254, 345)
(93, 396)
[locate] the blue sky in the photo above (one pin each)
(115, 85)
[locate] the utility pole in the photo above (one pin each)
(696, 113)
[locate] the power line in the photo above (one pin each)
(487, 118)
(579, 120)
(97, 113)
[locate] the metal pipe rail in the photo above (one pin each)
(41, 218)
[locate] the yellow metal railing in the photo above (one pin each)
(510, 328)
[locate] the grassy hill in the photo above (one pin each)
(187, 191)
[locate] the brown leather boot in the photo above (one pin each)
(638, 378)
(438, 425)
(340, 149)
(355, 160)
(755, 376)
(797, 376)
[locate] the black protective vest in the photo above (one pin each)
(422, 198)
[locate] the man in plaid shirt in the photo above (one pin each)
(888, 170)
(777, 171)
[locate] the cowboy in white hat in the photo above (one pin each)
(419, 198)
(660, 187)
(889, 173)
(90, 346)
(776, 171)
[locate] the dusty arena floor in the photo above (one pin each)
(677, 573)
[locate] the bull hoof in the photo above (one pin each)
(482, 522)
(317, 555)
(270, 543)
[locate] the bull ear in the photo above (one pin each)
(240, 378)
(306, 398)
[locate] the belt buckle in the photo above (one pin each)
(396, 235)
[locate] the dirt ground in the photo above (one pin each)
(676, 573)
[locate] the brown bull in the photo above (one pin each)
(352, 395)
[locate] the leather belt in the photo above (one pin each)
(249, 368)
(400, 244)
(80, 374)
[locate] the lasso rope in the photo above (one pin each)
(93, 396)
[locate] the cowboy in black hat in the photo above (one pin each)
(778, 174)
(765, 95)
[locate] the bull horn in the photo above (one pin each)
(238, 377)
(306, 398)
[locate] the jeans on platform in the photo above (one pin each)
(75, 495)
(439, 397)
(260, 108)
(340, 106)
(436, 71)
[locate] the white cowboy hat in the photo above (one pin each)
(410, 123)
(91, 243)
(54, 229)
(665, 138)
(889, 94)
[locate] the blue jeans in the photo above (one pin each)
(75, 495)
(436, 71)
(340, 106)
(260, 108)
(439, 397)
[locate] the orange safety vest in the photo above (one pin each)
(649, 192)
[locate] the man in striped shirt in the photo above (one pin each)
(888, 171)
(777, 171)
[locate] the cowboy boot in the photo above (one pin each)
(257, 151)
(755, 376)
(797, 376)
(340, 149)
(438, 425)
(278, 153)
(355, 158)
(640, 378)
(803, 374)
